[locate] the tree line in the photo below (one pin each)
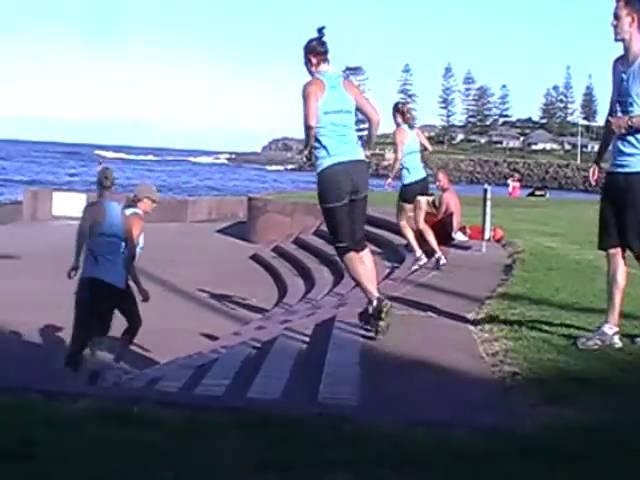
(479, 108)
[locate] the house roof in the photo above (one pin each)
(539, 136)
(430, 128)
(505, 133)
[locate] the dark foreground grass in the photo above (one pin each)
(43, 441)
(556, 293)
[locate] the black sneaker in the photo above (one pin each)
(73, 362)
(94, 377)
(440, 261)
(379, 315)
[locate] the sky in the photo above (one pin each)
(198, 74)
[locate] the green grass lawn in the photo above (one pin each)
(556, 293)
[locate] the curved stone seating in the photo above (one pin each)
(381, 247)
(302, 269)
(277, 277)
(290, 286)
(174, 375)
(396, 254)
(323, 278)
(322, 255)
(384, 223)
(255, 363)
(389, 229)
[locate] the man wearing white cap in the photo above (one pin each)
(145, 198)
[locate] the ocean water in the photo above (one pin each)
(175, 172)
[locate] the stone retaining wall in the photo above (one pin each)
(44, 204)
(269, 220)
(552, 174)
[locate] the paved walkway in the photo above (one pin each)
(222, 329)
(202, 284)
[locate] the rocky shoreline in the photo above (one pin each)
(556, 175)
(560, 175)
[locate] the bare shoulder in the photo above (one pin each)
(91, 209)
(399, 133)
(135, 219)
(312, 86)
(449, 196)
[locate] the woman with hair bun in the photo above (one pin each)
(331, 143)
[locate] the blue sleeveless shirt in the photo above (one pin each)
(411, 166)
(625, 100)
(336, 138)
(106, 249)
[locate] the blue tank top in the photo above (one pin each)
(140, 245)
(336, 138)
(625, 100)
(411, 166)
(106, 248)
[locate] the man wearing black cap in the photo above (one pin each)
(109, 249)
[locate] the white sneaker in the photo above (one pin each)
(599, 339)
(459, 236)
(420, 261)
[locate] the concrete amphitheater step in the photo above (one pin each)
(318, 278)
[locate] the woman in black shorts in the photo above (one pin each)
(415, 184)
(330, 103)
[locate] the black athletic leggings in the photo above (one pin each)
(95, 303)
(342, 195)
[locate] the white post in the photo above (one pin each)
(486, 216)
(579, 140)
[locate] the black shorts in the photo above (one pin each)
(342, 195)
(410, 191)
(619, 222)
(95, 303)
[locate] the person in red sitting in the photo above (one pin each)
(445, 217)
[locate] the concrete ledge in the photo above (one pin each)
(10, 213)
(202, 209)
(45, 204)
(272, 221)
(36, 205)
(269, 220)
